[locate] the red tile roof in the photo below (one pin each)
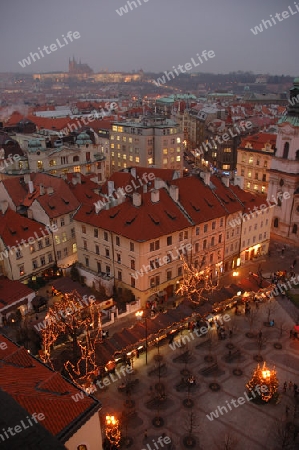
(11, 292)
(259, 140)
(40, 390)
(15, 228)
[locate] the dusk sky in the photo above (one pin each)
(155, 36)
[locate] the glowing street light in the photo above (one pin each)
(139, 315)
(113, 433)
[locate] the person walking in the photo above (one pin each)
(285, 386)
(145, 434)
(295, 389)
(287, 411)
(290, 385)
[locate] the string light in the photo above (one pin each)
(262, 376)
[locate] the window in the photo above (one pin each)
(32, 249)
(180, 271)
(185, 234)
(87, 156)
(204, 245)
(119, 275)
(52, 162)
(34, 264)
(133, 264)
(40, 244)
(154, 246)
(221, 222)
(105, 236)
(85, 245)
(82, 447)
(118, 258)
(257, 162)
(18, 254)
(180, 236)
(97, 249)
(227, 150)
(205, 228)
(168, 275)
(57, 239)
(65, 251)
(21, 270)
(64, 238)
(256, 176)
(249, 174)
(264, 177)
(242, 172)
(47, 241)
(50, 258)
(99, 267)
(212, 241)
(117, 240)
(169, 240)
(152, 264)
(265, 164)
(213, 225)
(83, 229)
(73, 233)
(86, 262)
(132, 282)
(74, 247)
(197, 231)
(197, 247)
(250, 159)
(219, 238)
(131, 246)
(211, 257)
(286, 150)
(275, 224)
(95, 232)
(294, 229)
(71, 217)
(107, 253)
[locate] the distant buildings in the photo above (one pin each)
(152, 141)
(254, 158)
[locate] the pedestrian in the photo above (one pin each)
(287, 411)
(145, 434)
(230, 333)
(295, 389)
(290, 385)
(282, 250)
(291, 334)
(285, 386)
(260, 334)
(294, 262)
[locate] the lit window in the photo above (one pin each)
(57, 239)
(250, 160)
(178, 158)
(77, 169)
(165, 151)
(150, 161)
(112, 145)
(137, 159)
(249, 174)
(165, 160)
(74, 248)
(52, 162)
(178, 140)
(227, 150)
(114, 128)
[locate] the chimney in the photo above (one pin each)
(206, 176)
(159, 183)
(78, 174)
(41, 189)
(133, 172)
(74, 181)
(4, 206)
(50, 190)
(239, 181)
(110, 188)
(225, 181)
(155, 196)
(136, 199)
(30, 186)
(174, 192)
(27, 177)
(145, 188)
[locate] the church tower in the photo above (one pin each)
(284, 171)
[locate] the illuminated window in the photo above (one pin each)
(165, 160)
(137, 159)
(227, 150)
(124, 139)
(74, 248)
(114, 128)
(118, 138)
(250, 159)
(255, 187)
(178, 158)
(226, 166)
(124, 156)
(165, 151)
(39, 164)
(150, 161)
(131, 158)
(178, 150)
(248, 185)
(120, 129)
(263, 189)
(178, 140)
(64, 238)
(172, 159)
(112, 137)
(52, 162)
(112, 145)
(118, 155)
(130, 140)
(77, 169)
(57, 239)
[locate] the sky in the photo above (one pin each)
(154, 36)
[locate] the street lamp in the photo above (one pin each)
(139, 315)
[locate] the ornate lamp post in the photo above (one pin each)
(139, 315)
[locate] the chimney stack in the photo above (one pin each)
(4, 206)
(110, 188)
(41, 189)
(133, 172)
(159, 183)
(30, 186)
(155, 196)
(225, 181)
(174, 192)
(206, 176)
(136, 199)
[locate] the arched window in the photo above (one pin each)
(294, 228)
(275, 223)
(297, 155)
(82, 447)
(75, 158)
(286, 150)
(279, 195)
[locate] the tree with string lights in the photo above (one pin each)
(266, 381)
(73, 317)
(197, 282)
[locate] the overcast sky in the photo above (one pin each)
(155, 36)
